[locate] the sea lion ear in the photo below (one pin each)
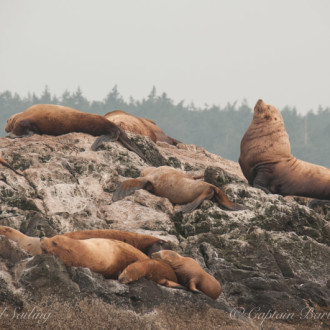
(128, 187)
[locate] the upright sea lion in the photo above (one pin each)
(190, 274)
(108, 257)
(4, 163)
(153, 269)
(177, 186)
(57, 120)
(146, 243)
(27, 243)
(267, 163)
(140, 126)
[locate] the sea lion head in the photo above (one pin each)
(266, 112)
(11, 122)
(158, 246)
(167, 255)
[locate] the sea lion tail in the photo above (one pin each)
(224, 201)
(4, 163)
(130, 145)
(128, 187)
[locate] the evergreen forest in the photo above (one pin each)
(218, 130)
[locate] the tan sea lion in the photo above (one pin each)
(190, 274)
(27, 243)
(267, 163)
(177, 186)
(140, 126)
(146, 243)
(4, 163)
(153, 269)
(108, 257)
(58, 120)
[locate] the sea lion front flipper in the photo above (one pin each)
(224, 201)
(316, 202)
(128, 187)
(171, 284)
(206, 194)
(130, 145)
(110, 137)
(192, 287)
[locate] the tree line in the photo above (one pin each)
(219, 130)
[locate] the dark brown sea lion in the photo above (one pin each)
(140, 126)
(177, 186)
(267, 163)
(57, 120)
(4, 163)
(108, 257)
(146, 243)
(190, 274)
(153, 269)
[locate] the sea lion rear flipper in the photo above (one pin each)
(207, 194)
(111, 137)
(127, 188)
(192, 287)
(224, 201)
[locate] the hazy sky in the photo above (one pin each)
(203, 51)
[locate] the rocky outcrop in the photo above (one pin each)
(272, 259)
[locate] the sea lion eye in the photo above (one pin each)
(54, 243)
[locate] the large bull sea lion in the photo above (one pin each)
(177, 186)
(190, 274)
(108, 257)
(140, 126)
(267, 163)
(57, 120)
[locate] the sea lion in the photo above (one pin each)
(57, 120)
(267, 163)
(146, 243)
(27, 243)
(4, 163)
(190, 274)
(153, 269)
(138, 125)
(108, 257)
(177, 186)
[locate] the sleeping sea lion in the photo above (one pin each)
(108, 257)
(4, 163)
(190, 274)
(153, 269)
(57, 120)
(146, 243)
(140, 126)
(177, 186)
(267, 163)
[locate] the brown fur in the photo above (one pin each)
(267, 163)
(190, 274)
(145, 243)
(4, 163)
(27, 243)
(177, 186)
(105, 256)
(153, 269)
(140, 126)
(57, 120)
